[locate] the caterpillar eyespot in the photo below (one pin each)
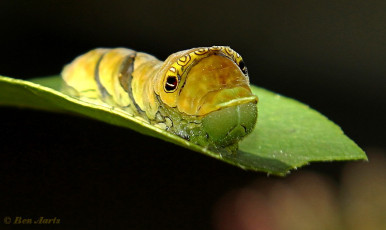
(171, 84)
(243, 67)
(200, 94)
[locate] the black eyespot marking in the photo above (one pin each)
(171, 84)
(243, 67)
(241, 64)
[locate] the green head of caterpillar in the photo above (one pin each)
(212, 84)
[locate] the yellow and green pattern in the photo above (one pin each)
(200, 94)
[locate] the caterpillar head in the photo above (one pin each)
(211, 83)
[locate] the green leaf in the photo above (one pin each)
(288, 134)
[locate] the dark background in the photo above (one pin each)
(327, 54)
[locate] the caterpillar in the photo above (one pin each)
(200, 94)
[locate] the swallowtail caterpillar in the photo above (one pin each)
(200, 94)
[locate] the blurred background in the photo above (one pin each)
(327, 54)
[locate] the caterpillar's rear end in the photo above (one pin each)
(201, 94)
(107, 75)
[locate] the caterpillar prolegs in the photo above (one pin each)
(200, 94)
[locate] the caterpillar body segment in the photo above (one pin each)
(107, 75)
(200, 94)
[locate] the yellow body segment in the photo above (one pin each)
(185, 94)
(80, 73)
(109, 72)
(145, 68)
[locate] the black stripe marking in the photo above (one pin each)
(101, 88)
(127, 68)
(128, 79)
(130, 92)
